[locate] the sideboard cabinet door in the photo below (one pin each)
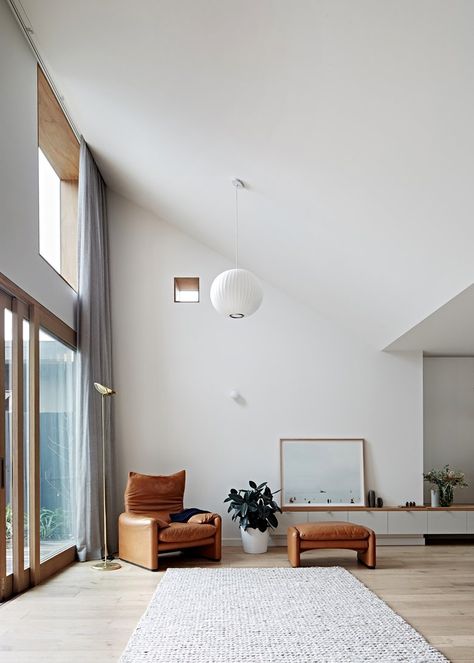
(376, 520)
(326, 516)
(407, 522)
(447, 522)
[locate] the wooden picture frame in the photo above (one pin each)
(318, 473)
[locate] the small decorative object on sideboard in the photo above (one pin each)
(379, 502)
(444, 482)
(371, 498)
(255, 509)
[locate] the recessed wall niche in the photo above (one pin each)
(186, 289)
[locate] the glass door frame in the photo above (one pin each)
(23, 308)
(6, 581)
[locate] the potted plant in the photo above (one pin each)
(255, 509)
(444, 480)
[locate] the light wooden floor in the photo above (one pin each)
(81, 615)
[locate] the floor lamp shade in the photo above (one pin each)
(236, 293)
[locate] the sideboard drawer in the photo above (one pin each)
(407, 522)
(447, 522)
(376, 520)
(326, 516)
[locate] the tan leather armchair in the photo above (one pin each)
(145, 529)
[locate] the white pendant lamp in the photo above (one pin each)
(236, 293)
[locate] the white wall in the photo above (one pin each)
(300, 376)
(19, 257)
(449, 417)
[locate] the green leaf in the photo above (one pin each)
(272, 520)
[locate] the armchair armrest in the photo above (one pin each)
(214, 550)
(138, 539)
(203, 518)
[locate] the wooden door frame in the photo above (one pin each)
(20, 576)
(25, 307)
(5, 581)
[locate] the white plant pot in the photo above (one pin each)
(434, 497)
(254, 541)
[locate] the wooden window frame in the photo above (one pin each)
(59, 144)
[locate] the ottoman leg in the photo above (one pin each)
(293, 538)
(369, 556)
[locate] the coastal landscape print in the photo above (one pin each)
(322, 472)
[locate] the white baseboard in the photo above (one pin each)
(237, 541)
(275, 540)
(280, 540)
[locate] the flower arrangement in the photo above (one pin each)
(445, 481)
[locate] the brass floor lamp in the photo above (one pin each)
(106, 565)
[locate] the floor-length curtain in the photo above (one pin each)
(95, 356)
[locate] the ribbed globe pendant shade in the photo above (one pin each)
(236, 293)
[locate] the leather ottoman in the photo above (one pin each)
(325, 535)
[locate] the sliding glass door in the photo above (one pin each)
(37, 443)
(57, 386)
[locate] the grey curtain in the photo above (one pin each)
(94, 361)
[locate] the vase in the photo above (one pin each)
(254, 541)
(446, 495)
(434, 497)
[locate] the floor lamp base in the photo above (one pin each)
(106, 566)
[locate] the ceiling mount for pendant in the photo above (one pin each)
(236, 293)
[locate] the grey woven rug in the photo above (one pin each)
(309, 615)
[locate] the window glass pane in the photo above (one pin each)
(8, 437)
(57, 376)
(49, 212)
(26, 445)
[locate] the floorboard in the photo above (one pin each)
(83, 615)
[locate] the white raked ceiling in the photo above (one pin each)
(447, 331)
(351, 122)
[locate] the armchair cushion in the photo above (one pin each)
(184, 532)
(201, 518)
(151, 494)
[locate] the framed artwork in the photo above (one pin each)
(321, 472)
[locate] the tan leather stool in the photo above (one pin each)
(325, 535)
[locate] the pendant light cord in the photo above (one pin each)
(236, 227)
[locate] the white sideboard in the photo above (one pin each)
(389, 523)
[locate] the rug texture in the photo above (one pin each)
(308, 615)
